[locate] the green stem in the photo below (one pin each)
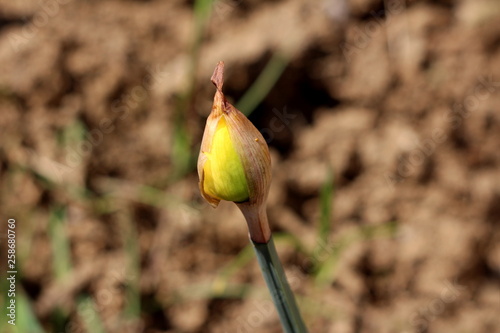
(282, 295)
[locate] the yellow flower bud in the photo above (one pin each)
(234, 162)
(224, 174)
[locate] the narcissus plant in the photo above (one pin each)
(234, 165)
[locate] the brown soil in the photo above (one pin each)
(400, 99)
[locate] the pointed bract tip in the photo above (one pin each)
(218, 76)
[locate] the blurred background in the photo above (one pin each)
(384, 127)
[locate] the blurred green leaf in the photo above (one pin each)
(221, 281)
(326, 200)
(183, 157)
(326, 268)
(87, 312)
(61, 250)
(263, 84)
(72, 135)
(132, 308)
(26, 319)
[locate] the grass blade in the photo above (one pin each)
(27, 321)
(60, 243)
(326, 197)
(326, 271)
(129, 235)
(264, 83)
(88, 313)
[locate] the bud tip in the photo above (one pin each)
(218, 76)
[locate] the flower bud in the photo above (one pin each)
(234, 162)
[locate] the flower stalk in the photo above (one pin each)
(276, 282)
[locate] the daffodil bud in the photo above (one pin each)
(234, 162)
